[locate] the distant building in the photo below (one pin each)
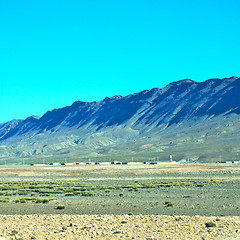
(105, 163)
(116, 163)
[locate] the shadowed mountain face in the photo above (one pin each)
(123, 125)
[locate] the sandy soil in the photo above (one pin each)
(117, 227)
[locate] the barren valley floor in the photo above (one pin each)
(113, 202)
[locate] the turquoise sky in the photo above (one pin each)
(55, 52)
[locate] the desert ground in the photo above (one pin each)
(120, 202)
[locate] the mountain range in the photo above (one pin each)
(193, 121)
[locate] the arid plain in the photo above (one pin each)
(120, 201)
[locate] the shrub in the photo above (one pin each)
(88, 193)
(23, 192)
(42, 200)
(4, 199)
(60, 207)
(13, 232)
(20, 200)
(168, 204)
(8, 193)
(45, 195)
(123, 221)
(121, 194)
(210, 224)
(69, 194)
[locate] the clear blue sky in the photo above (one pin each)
(55, 52)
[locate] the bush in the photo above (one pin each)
(60, 207)
(169, 204)
(44, 195)
(88, 193)
(6, 193)
(20, 200)
(4, 199)
(23, 200)
(23, 192)
(69, 194)
(13, 232)
(210, 224)
(42, 200)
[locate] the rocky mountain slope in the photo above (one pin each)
(198, 121)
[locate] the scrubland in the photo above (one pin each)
(143, 201)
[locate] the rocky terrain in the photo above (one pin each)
(194, 121)
(204, 197)
(75, 227)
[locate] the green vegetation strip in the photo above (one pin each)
(35, 200)
(34, 190)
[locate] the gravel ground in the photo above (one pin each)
(77, 221)
(117, 227)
